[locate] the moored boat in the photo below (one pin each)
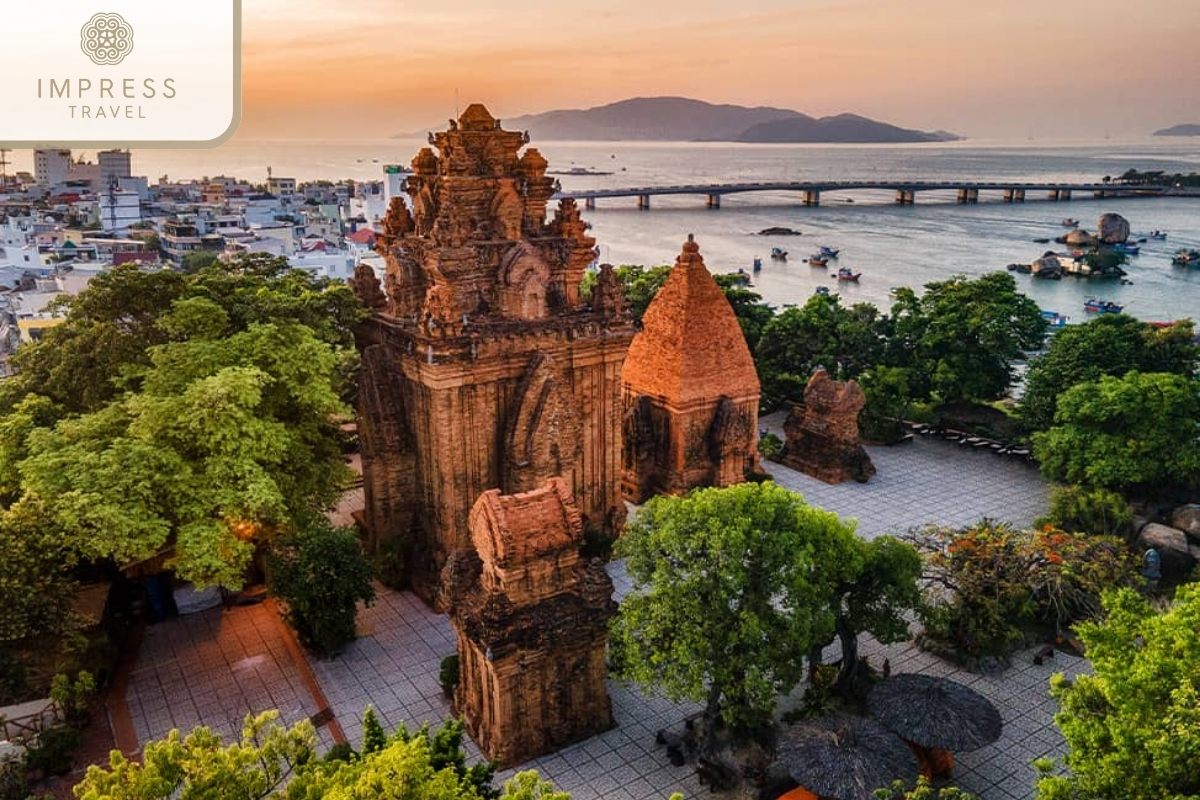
(829, 252)
(1070, 223)
(847, 274)
(1054, 319)
(1098, 306)
(818, 260)
(1186, 258)
(779, 254)
(1127, 248)
(757, 264)
(821, 290)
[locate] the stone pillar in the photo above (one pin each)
(962, 195)
(644, 202)
(714, 201)
(905, 197)
(812, 197)
(1065, 194)
(1052, 195)
(589, 203)
(1018, 195)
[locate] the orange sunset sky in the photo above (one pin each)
(998, 69)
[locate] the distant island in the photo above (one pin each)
(1186, 129)
(683, 119)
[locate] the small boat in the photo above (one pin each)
(1097, 306)
(1154, 234)
(1055, 319)
(1070, 223)
(757, 264)
(742, 278)
(847, 274)
(1186, 258)
(779, 254)
(817, 260)
(821, 290)
(829, 252)
(1127, 249)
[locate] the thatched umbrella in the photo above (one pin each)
(935, 712)
(846, 758)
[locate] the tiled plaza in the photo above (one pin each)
(213, 667)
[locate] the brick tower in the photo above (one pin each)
(481, 366)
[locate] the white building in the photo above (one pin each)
(50, 167)
(119, 210)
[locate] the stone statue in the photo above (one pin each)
(366, 286)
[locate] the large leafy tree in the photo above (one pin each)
(821, 333)
(189, 411)
(961, 338)
(1137, 435)
(731, 587)
(1110, 344)
(1133, 726)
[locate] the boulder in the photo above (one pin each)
(1112, 228)
(1047, 265)
(1080, 238)
(1187, 519)
(1172, 547)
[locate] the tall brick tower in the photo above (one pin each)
(482, 368)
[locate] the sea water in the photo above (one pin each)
(891, 245)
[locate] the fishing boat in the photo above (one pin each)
(1054, 319)
(779, 254)
(1070, 223)
(847, 274)
(829, 252)
(757, 264)
(1186, 258)
(1127, 248)
(1154, 234)
(1097, 306)
(817, 260)
(821, 290)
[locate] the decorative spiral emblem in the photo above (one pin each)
(106, 39)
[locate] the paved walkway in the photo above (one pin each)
(185, 668)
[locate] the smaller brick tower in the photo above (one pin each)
(532, 622)
(689, 390)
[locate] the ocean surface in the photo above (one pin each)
(891, 245)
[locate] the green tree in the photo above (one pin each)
(961, 338)
(822, 332)
(875, 600)
(1110, 344)
(228, 437)
(36, 583)
(201, 766)
(730, 586)
(321, 574)
(641, 285)
(1133, 726)
(922, 791)
(374, 738)
(1137, 435)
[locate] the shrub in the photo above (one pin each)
(73, 697)
(1077, 509)
(321, 573)
(54, 752)
(990, 583)
(770, 447)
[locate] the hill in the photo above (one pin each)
(683, 119)
(847, 128)
(1185, 129)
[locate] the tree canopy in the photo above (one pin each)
(1137, 435)
(1133, 726)
(1110, 344)
(207, 423)
(821, 333)
(961, 338)
(731, 587)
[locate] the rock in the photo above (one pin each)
(778, 232)
(1046, 265)
(822, 435)
(1112, 228)
(1080, 238)
(1172, 547)
(1187, 519)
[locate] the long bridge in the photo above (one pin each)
(905, 191)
